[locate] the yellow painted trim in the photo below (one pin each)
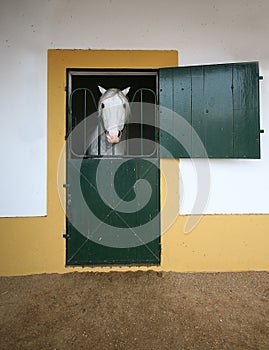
(218, 243)
(35, 245)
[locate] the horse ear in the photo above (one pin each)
(125, 91)
(101, 89)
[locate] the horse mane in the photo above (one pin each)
(110, 93)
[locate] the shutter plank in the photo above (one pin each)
(218, 111)
(166, 104)
(182, 108)
(198, 117)
(246, 110)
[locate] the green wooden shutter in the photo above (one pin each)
(210, 111)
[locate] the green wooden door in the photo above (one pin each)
(118, 224)
(113, 202)
(210, 111)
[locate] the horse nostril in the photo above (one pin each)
(108, 133)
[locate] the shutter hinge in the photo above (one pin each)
(260, 77)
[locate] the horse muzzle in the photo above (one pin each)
(113, 136)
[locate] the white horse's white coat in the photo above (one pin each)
(113, 113)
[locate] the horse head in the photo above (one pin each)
(114, 109)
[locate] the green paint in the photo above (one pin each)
(220, 103)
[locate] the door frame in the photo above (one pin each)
(58, 62)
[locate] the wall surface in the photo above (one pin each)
(203, 32)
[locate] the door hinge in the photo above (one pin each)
(65, 235)
(68, 194)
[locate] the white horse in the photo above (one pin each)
(113, 113)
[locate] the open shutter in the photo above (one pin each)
(210, 111)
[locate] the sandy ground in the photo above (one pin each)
(135, 311)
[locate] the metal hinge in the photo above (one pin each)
(68, 194)
(65, 235)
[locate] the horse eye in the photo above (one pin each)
(124, 105)
(102, 105)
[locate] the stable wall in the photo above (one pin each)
(204, 32)
(217, 243)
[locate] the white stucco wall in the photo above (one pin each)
(208, 31)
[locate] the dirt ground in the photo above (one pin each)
(135, 310)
